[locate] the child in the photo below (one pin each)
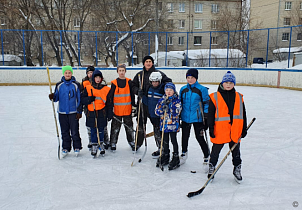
(67, 92)
(194, 99)
(228, 125)
(123, 99)
(171, 105)
(155, 92)
(100, 111)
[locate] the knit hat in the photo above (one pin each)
(193, 73)
(170, 85)
(229, 77)
(121, 66)
(146, 58)
(97, 73)
(90, 68)
(64, 68)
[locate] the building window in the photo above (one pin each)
(198, 7)
(3, 21)
(170, 7)
(285, 36)
(181, 40)
(213, 24)
(169, 40)
(299, 36)
(160, 6)
(300, 5)
(214, 40)
(197, 24)
(215, 8)
(181, 23)
(75, 38)
(197, 40)
(76, 22)
(288, 5)
(286, 21)
(170, 23)
(181, 7)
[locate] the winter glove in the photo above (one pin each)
(134, 111)
(79, 116)
(165, 108)
(51, 96)
(212, 133)
(205, 126)
(243, 134)
(140, 93)
(166, 101)
(91, 98)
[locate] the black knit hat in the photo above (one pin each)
(90, 68)
(193, 73)
(148, 57)
(97, 73)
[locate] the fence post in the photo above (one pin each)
(61, 48)
(79, 49)
(187, 57)
(247, 47)
(290, 42)
(166, 49)
(149, 41)
(42, 49)
(227, 64)
(2, 47)
(210, 49)
(267, 44)
(96, 49)
(116, 47)
(24, 52)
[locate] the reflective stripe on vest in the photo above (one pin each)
(100, 97)
(225, 132)
(122, 99)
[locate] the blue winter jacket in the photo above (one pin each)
(193, 98)
(172, 116)
(68, 95)
(154, 94)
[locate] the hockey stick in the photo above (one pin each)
(147, 135)
(191, 194)
(96, 124)
(54, 115)
(161, 142)
(204, 123)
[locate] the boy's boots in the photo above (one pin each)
(237, 173)
(94, 149)
(211, 170)
(174, 162)
(163, 160)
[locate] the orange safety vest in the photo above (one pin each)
(122, 99)
(86, 83)
(100, 97)
(223, 130)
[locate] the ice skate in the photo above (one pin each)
(94, 150)
(174, 162)
(155, 154)
(64, 153)
(76, 152)
(237, 174)
(89, 146)
(113, 147)
(183, 158)
(211, 171)
(205, 164)
(163, 160)
(106, 145)
(132, 145)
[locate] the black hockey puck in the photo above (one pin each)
(193, 172)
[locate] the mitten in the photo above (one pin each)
(140, 93)
(165, 108)
(91, 98)
(212, 133)
(51, 96)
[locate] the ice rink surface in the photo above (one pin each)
(32, 177)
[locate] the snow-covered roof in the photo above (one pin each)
(286, 50)
(170, 55)
(10, 58)
(217, 53)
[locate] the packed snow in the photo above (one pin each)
(32, 177)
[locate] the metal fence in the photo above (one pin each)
(102, 48)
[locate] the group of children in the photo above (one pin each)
(223, 112)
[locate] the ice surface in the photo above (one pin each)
(32, 177)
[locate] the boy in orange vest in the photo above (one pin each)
(227, 122)
(123, 99)
(101, 110)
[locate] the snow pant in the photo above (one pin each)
(198, 129)
(216, 148)
(173, 141)
(116, 126)
(156, 129)
(142, 123)
(94, 137)
(70, 125)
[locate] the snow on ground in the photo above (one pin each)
(32, 177)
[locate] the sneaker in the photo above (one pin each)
(183, 157)
(237, 174)
(205, 164)
(113, 147)
(132, 145)
(156, 154)
(64, 152)
(211, 170)
(106, 145)
(174, 162)
(94, 149)
(76, 152)
(163, 160)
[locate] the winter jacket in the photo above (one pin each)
(172, 116)
(154, 94)
(229, 99)
(194, 98)
(146, 83)
(102, 115)
(69, 96)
